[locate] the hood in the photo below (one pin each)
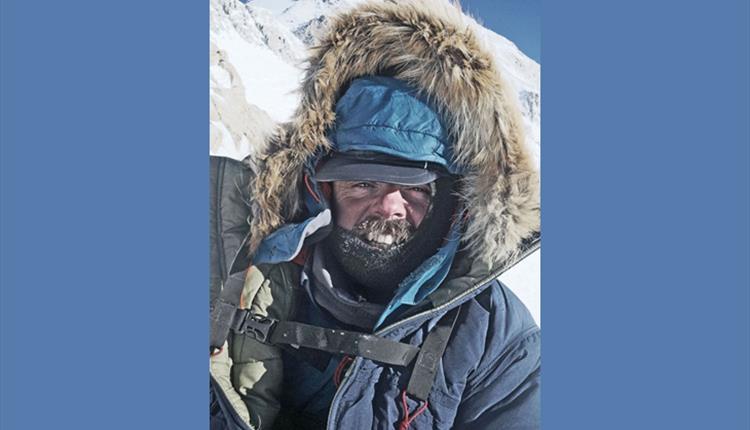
(429, 45)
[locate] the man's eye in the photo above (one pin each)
(363, 185)
(424, 190)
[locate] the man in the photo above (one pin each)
(381, 218)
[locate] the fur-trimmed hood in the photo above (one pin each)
(429, 45)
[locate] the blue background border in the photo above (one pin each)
(645, 215)
(645, 193)
(104, 215)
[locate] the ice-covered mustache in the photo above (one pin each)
(383, 231)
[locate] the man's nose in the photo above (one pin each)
(392, 205)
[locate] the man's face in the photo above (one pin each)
(391, 211)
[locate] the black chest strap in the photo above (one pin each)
(296, 335)
(345, 342)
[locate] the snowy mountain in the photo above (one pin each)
(257, 54)
(305, 18)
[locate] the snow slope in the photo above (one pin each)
(257, 61)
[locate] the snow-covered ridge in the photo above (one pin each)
(255, 73)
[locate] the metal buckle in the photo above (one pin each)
(258, 326)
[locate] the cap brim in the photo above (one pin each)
(337, 169)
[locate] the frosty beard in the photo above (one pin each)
(378, 254)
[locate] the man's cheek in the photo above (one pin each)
(417, 216)
(345, 219)
(343, 223)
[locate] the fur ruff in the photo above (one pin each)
(429, 45)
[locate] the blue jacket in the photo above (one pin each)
(488, 376)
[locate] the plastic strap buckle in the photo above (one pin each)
(257, 326)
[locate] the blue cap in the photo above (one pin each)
(383, 115)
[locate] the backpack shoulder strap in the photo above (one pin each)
(229, 204)
(433, 347)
